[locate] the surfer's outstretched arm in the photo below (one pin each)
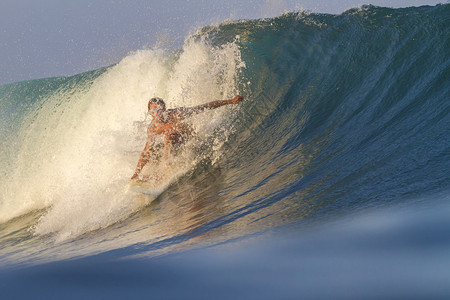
(186, 112)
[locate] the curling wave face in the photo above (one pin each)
(341, 113)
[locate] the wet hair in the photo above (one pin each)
(159, 101)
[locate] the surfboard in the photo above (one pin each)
(143, 187)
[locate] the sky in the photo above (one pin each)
(48, 38)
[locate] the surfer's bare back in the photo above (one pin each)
(169, 123)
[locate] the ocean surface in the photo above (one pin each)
(331, 179)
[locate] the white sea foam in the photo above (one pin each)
(79, 149)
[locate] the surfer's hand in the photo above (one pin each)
(237, 99)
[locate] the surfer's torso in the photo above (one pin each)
(171, 125)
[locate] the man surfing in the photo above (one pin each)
(169, 124)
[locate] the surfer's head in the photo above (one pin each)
(156, 104)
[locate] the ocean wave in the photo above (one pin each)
(342, 112)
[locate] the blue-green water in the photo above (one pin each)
(346, 117)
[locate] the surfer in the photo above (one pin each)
(169, 124)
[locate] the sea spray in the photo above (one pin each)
(80, 146)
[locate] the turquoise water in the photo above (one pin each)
(345, 115)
